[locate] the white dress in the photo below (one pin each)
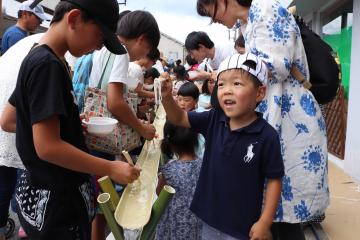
(272, 34)
(10, 64)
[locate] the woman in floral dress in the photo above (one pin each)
(271, 32)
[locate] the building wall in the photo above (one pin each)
(352, 149)
(172, 49)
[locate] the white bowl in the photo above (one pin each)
(100, 126)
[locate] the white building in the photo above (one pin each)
(172, 48)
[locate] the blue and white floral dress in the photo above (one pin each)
(272, 34)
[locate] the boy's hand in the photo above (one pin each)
(124, 173)
(148, 131)
(166, 88)
(260, 231)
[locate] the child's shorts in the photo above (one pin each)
(210, 233)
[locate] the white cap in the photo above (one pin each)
(37, 10)
(237, 61)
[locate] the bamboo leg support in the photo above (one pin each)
(108, 187)
(157, 211)
(105, 205)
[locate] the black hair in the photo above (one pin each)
(154, 54)
(178, 140)
(191, 61)
(123, 13)
(189, 89)
(178, 62)
(193, 40)
(151, 72)
(205, 87)
(63, 7)
(240, 41)
(180, 72)
(137, 23)
(202, 12)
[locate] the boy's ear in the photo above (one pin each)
(261, 93)
(72, 17)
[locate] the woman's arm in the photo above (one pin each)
(118, 107)
(8, 118)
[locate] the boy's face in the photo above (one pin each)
(237, 93)
(149, 80)
(84, 37)
(186, 103)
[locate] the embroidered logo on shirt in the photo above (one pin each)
(249, 155)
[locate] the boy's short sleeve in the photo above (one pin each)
(199, 121)
(46, 89)
(273, 164)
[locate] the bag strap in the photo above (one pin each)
(105, 75)
(300, 77)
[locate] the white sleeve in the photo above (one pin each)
(159, 66)
(96, 69)
(135, 75)
(119, 72)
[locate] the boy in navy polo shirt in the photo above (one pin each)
(242, 154)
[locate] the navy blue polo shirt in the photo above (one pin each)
(229, 192)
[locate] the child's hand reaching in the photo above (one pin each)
(124, 173)
(260, 231)
(166, 88)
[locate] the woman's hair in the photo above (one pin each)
(189, 89)
(194, 39)
(205, 87)
(137, 23)
(151, 72)
(178, 140)
(178, 62)
(180, 72)
(191, 61)
(63, 7)
(201, 3)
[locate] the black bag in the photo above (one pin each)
(324, 71)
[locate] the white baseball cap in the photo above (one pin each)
(237, 61)
(37, 10)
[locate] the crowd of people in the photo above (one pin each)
(244, 141)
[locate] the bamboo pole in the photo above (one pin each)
(107, 187)
(158, 210)
(105, 205)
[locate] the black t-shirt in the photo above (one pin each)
(44, 89)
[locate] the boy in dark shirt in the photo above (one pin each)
(241, 151)
(55, 194)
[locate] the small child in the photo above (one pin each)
(242, 154)
(182, 173)
(204, 103)
(180, 75)
(188, 96)
(149, 77)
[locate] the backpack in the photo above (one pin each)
(81, 78)
(324, 71)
